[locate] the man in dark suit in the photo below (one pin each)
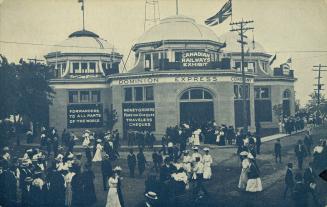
(278, 151)
(27, 192)
(300, 153)
(57, 188)
(106, 170)
(289, 179)
(131, 161)
(141, 161)
(10, 186)
(309, 178)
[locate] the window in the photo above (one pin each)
(238, 92)
(147, 61)
(238, 65)
(155, 57)
(128, 95)
(92, 67)
(265, 66)
(250, 67)
(73, 96)
(75, 68)
(262, 93)
(178, 56)
(149, 93)
(95, 96)
(138, 91)
(287, 94)
(196, 93)
(84, 96)
(84, 68)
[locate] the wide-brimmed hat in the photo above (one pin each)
(185, 151)
(99, 140)
(5, 149)
(206, 149)
(117, 168)
(195, 148)
(151, 195)
(28, 179)
(244, 153)
(106, 156)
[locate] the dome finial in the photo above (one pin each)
(82, 8)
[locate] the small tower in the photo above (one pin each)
(152, 13)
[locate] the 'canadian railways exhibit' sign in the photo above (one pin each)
(139, 116)
(195, 59)
(84, 115)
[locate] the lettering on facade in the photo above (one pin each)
(139, 116)
(196, 59)
(185, 79)
(84, 115)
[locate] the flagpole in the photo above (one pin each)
(177, 7)
(83, 15)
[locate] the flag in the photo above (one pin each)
(81, 1)
(222, 15)
(272, 60)
(289, 60)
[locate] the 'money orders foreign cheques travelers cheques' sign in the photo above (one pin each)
(195, 59)
(139, 116)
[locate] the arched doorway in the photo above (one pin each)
(196, 106)
(286, 103)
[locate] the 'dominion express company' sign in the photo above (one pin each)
(139, 116)
(195, 59)
(84, 115)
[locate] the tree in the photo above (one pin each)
(312, 105)
(25, 91)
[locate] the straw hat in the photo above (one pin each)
(151, 195)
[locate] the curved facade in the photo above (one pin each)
(183, 72)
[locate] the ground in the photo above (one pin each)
(226, 170)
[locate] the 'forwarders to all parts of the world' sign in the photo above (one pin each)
(139, 116)
(84, 115)
(195, 59)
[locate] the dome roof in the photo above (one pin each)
(178, 28)
(83, 42)
(232, 45)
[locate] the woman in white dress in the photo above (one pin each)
(98, 153)
(245, 167)
(113, 198)
(187, 160)
(196, 137)
(207, 161)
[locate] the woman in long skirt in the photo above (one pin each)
(254, 182)
(245, 167)
(88, 183)
(98, 153)
(69, 193)
(207, 161)
(113, 198)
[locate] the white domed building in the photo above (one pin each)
(81, 65)
(183, 73)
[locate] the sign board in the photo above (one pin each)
(195, 59)
(139, 116)
(286, 69)
(84, 115)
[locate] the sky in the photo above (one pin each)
(288, 28)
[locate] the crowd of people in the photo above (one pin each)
(57, 175)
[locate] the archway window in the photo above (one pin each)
(287, 94)
(196, 94)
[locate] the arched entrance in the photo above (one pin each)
(196, 106)
(286, 103)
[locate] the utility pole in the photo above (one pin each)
(319, 85)
(242, 28)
